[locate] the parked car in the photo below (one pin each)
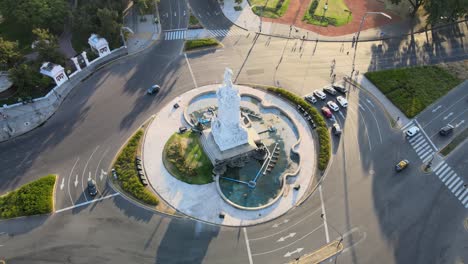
(336, 129)
(182, 130)
(329, 90)
(401, 165)
(446, 130)
(320, 94)
(311, 99)
(326, 112)
(412, 131)
(92, 190)
(340, 88)
(153, 89)
(342, 101)
(333, 106)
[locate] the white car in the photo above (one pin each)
(333, 106)
(320, 94)
(311, 99)
(342, 101)
(412, 131)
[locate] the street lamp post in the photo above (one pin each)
(341, 235)
(360, 27)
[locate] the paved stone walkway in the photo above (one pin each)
(203, 201)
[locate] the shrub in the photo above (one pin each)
(322, 131)
(128, 175)
(30, 199)
(199, 43)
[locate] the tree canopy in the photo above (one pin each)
(9, 53)
(438, 10)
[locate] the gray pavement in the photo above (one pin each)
(145, 30)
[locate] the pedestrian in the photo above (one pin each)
(334, 77)
(347, 53)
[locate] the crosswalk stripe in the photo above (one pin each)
(418, 143)
(452, 179)
(465, 200)
(449, 177)
(442, 173)
(419, 140)
(463, 194)
(411, 140)
(440, 168)
(450, 185)
(418, 150)
(426, 159)
(461, 188)
(425, 153)
(456, 187)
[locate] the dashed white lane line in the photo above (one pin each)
(248, 245)
(85, 203)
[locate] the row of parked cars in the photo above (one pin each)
(141, 173)
(331, 104)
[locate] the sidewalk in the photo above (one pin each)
(145, 31)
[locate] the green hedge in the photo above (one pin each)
(199, 43)
(128, 174)
(31, 199)
(413, 89)
(322, 131)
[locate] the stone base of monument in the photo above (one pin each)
(234, 157)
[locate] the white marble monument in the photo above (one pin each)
(227, 130)
(99, 44)
(55, 72)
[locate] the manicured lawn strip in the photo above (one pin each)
(322, 131)
(413, 89)
(31, 199)
(200, 43)
(455, 142)
(274, 8)
(128, 174)
(187, 162)
(335, 15)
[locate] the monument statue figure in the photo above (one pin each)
(226, 127)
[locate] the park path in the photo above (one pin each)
(297, 9)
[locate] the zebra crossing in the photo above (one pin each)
(453, 182)
(177, 34)
(425, 150)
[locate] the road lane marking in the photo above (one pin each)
(84, 170)
(248, 245)
(277, 225)
(452, 105)
(298, 250)
(327, 235)
(76, 181)
(360, 106)
(428, 139)
(86, 203)
(97, 168)
(458, 124)
(378, 126)
(407, 125)
(274, 250)
(191, 72)
(69, 180)
(369, 101)
(447, 116)
(437, 108)
(286, 237)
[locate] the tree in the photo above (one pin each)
(109, 25)
(438, 10)
(27, 79)
(414, 3)
(47, 47)
(9, 53)
(49, 14)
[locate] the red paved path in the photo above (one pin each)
(297, 9)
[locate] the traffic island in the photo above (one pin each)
(326, 252)
(201, 44)
(33, 198)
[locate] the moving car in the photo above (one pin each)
(412, 131)
(329, 90)
(401, 165)
(153, 89)
(92, 190)
(320, 94)
(336, 129)
(182, 129)
(446, 130)
(326, 112)
(340, 88)
(311, 99)
(342, 101)
(333, 106)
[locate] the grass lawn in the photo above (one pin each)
(185, 159)
(31, 199)
(413, 89)
(273, 8)
(200, 43)
(128, 175)
(335, 15)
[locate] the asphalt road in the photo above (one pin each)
(382, 216)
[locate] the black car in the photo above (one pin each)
(340, 88)
(182, 130)
(446, 130)
(153, 89)
(92, 190)
(329, 90)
